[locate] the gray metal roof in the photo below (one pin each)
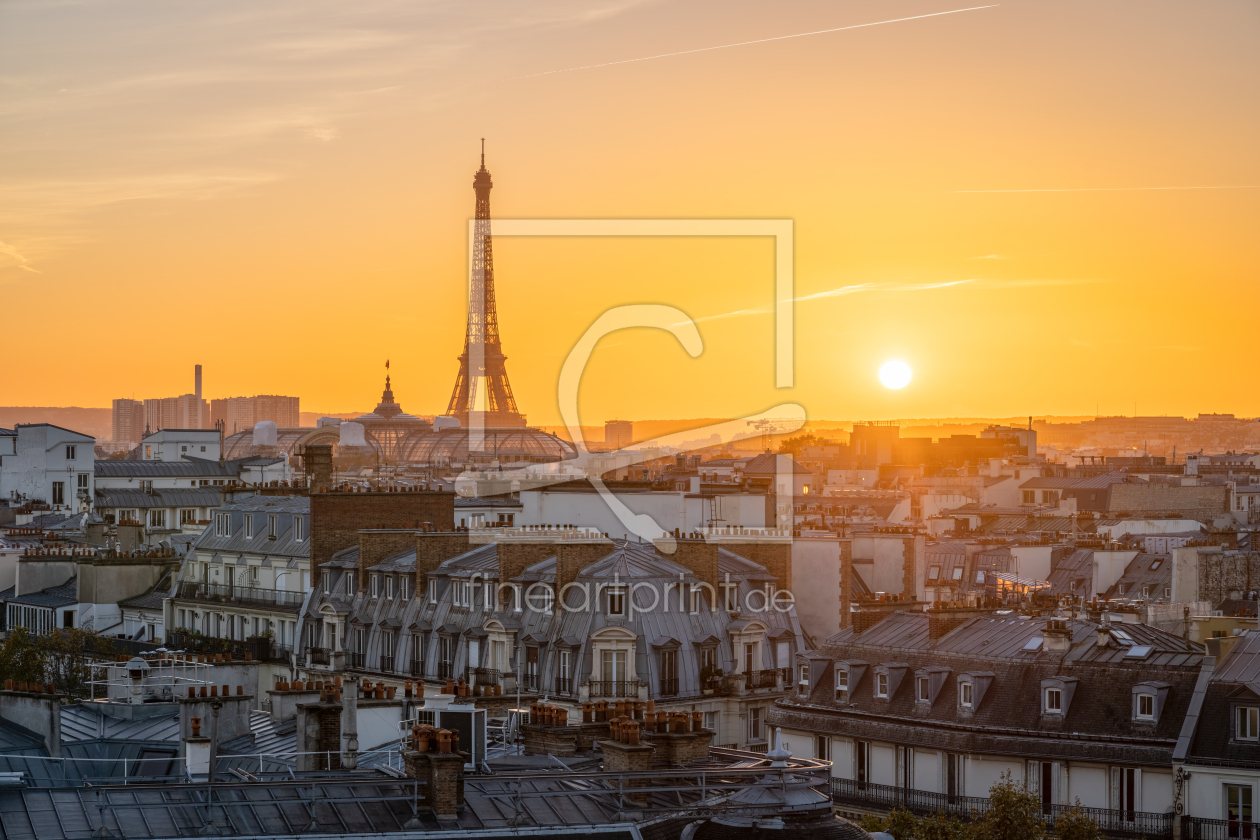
(184, 468)
(158, 498)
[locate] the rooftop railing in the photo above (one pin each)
(1113, 823)
(614, 688)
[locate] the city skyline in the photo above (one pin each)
(1021, 231)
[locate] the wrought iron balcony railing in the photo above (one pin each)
(669, 687)
(614, 688)
(387, 662)
(228, 593)
(355, 659)
(319, 656)
(564, 685)
(445, 670)
(762, 679)
(1200, 828)
(482, 676)
(417, 667)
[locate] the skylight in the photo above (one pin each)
(1033, 644)
(1138, 652)
(1122, 636)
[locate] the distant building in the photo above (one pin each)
(242, 413)
(46, 463)
(618, 433)
(173, 444)
(184, 412)
(128, 425)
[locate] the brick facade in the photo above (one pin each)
(700, 557)
(376, 545)
(338, 516)
(846, 583)
(573, 557)
(433, 548)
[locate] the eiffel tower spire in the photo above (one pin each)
(482, 392)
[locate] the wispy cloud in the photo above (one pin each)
(859, 288)
(1114, 189)
(10, 257)
(990, 257)
(759, 41)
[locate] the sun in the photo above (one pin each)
(895, 375)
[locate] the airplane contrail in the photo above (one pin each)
(761, 40)
(1115, 189)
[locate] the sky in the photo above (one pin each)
(1040, 207)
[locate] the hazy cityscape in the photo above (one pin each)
(688, 478)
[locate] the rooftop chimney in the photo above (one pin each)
(197, 381)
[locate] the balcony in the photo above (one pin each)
(445, 671)
(319, 656)
(356, 659)
(417, 667)
(1112, 823)
(482, 676)
(1198, 828)
(762, 679)
(387, 662)
(564, 685)
(228, 593)
(614, 688)
(530, 681)
(669, 687)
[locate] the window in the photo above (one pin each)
(253, 574)
(433, 590)
(58, 492)
(187, 517)
(923, 691)
(1248, 723)
(203, 449)
(732, 598)
(83, 482)
(183, 449)
(1155, 565)
(565, 666)
(958, 573)
(222, 524)
(404, 588)
(1238, 810)
(822, 747)
(754, 724)
(695, 599)
(881, 685)
(1120, 589)
(70, 453)
(1030, 497)
(616, 601)
(351, 582)
(374, 583)
(842, 684)
(711, 721)
(299, 533)
(389, 586)
(964, 694)
(1167, 591)
(862, 760)
(249, 526)
(327, 584)
(358, 640)
(980, 577)
(1072, 585)
(708, 658)
(271, 526)
(157, 518)
(1053, 701)
(934, 573)
(1146, 707)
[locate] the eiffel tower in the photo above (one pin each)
(482, 392)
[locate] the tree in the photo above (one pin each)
(1076, 824)
(20, 659)
(793, 446)
(1014, 814)
(62, 658)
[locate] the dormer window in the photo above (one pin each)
(375, 581)
(616, 601)
(881, 685)
(351, 583)
(1145, 707)
(922, 690)
(299, 533)
(389, 586)
(934, 572)
(249, 526)
(1247, 727)
(966, 695)
(842, 684)
(1052, 702)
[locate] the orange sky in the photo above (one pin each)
(280, 192)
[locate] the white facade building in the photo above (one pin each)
(42, 462)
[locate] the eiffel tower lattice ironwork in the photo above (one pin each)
(482, 392)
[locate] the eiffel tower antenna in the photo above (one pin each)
(482, 392)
